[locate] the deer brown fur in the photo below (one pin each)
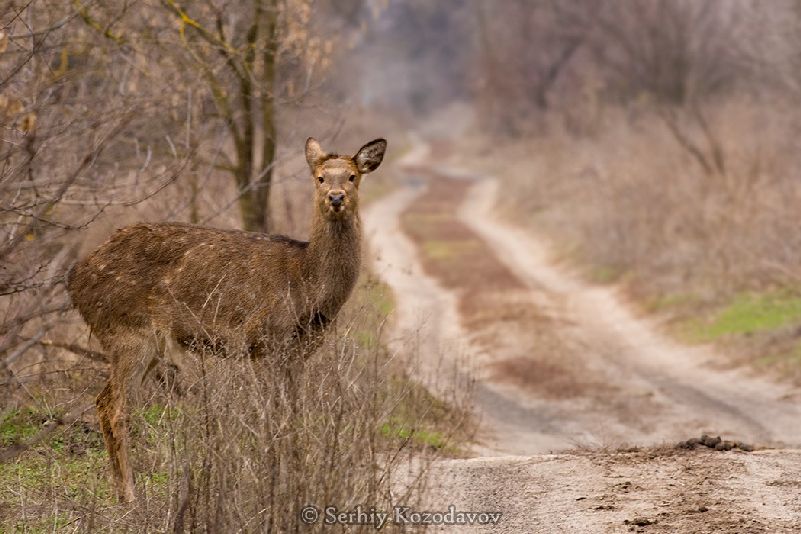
(151, 287)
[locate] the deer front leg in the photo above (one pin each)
(112, 412)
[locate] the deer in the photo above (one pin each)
(161, 287)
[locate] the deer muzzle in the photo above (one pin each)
(336, 199)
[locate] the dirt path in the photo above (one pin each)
(680, 393)
(562, 365)
(644, 491)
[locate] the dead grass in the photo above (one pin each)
(244, 448)
(631, 204)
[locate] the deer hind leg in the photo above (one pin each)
(131, 357)
(112, 412)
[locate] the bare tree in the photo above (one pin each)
(238, 60)
(523, 49)
(61, 165)
(672, 50)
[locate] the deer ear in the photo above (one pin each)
(369, 157)
(314, 152)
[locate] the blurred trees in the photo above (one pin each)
(673, 52)
(663, 133)
(522, 49)
(413, 56)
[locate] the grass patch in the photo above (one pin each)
(419, 416)
(74, 476)
(395, 429)
(153, 414)
(71, 464)
(19, 425)
(379, 296)
(747, 314)
(64, 481)
(425, 421)
(157, 415)
(40, 475)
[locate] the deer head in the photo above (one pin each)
(337, 177)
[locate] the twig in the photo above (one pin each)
(20, 350)
(76, 349)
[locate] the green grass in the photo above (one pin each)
(153, 414)
(18, 426)
(421, 416)
(72, 475)
(68, 461)
(747, 314)
(157, 415)
(418, 414)
(379, 296)
(70, 468)
(43, 475)
(395, 429)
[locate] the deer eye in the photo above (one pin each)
(352, 178)
(320, 179)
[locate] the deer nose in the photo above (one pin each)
(336, 198)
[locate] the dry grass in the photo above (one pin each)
(244, 448)
(632, 201)
(688, 210)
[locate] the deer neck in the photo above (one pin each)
(333, 261)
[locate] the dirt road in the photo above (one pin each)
(561, 365)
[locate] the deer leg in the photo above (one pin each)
(111, 410)
(131, 356)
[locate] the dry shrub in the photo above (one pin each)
(265, 439)
(232, 444)
(675, 201)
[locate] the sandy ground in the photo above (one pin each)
(570, 381)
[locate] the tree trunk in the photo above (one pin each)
(254, 203)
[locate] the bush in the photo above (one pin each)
(246, 445)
